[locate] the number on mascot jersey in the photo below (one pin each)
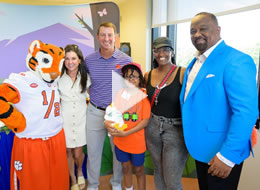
(56, 105)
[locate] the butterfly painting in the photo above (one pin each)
(102, 13)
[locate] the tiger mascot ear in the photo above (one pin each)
(45, 60)
(34, 44)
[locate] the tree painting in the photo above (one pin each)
(100, 12)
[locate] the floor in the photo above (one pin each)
(188, 183)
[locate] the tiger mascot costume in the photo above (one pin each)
(39, 160)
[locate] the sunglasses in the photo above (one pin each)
(162, 49)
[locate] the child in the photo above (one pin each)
(130, 143)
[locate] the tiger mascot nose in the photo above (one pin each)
(54, 75)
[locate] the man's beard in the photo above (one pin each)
(201, 47)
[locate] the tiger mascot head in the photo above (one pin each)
(45, 60)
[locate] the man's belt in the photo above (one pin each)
(100, 108)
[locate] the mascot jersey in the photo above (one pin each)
(39, 103)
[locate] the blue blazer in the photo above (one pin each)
(221, 107)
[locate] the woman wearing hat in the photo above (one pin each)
(164, 135)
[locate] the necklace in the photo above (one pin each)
(159, 88)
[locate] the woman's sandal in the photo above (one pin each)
(75, 187)
(81, 182)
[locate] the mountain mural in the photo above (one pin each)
(13, 52)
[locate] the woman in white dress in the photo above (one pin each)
(73, 86)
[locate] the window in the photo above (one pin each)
(240, 30)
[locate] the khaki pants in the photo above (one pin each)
(96, 134)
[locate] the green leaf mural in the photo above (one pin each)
(107, 162)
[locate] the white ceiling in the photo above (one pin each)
(57, 2)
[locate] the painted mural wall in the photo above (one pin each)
(59, 25)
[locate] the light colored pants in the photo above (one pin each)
(165, 142)
(96, 134)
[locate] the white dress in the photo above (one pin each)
(73, 110)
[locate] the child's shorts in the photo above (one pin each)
(136, 159)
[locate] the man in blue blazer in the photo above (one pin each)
(219, 106)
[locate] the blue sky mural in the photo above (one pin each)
(37, 17)
(59, 25)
